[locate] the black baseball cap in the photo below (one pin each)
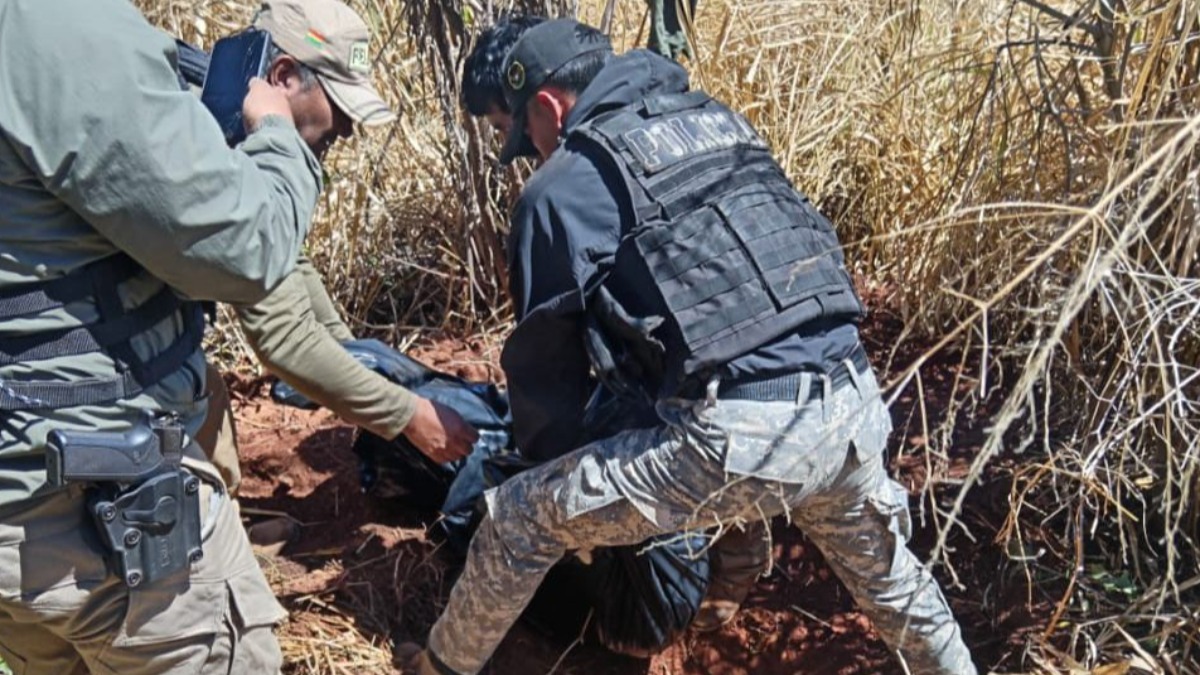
(539, 53)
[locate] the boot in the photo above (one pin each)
(268, 537)
(720, 605)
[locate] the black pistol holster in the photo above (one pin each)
(145, 504)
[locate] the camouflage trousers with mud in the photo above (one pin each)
(817, 460)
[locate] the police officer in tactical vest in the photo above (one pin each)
(120, 207)
(660, 247)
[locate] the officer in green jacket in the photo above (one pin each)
(120, 206)
(321, 61)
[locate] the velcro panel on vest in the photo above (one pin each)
(793, 254)
(656, 142)
(703, 273)
(686, 188)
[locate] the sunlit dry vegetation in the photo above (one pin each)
(1017, 180)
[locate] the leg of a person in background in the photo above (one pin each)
(739, 558)
(218, 435)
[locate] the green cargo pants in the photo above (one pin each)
(217, 437)
(63, 613)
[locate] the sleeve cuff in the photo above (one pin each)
(273, 121)
(406, 408)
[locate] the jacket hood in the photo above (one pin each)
(627, 79)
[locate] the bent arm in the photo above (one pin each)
(324, 310)
(562, 226)
(546, 368)
(294, 343)
(93, 107)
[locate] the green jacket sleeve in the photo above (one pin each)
(91, 104)
(291, 337)
(323, 310)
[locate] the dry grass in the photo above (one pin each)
(338, 615)
(1020, 177)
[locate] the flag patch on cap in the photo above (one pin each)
(315, 38)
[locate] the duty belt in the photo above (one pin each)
(787, 387)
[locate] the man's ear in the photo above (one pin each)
(284, 72)
(552, 104)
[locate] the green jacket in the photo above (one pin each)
(296, 333)
(101, 151)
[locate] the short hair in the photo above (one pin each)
(575, 75)
(482, 83)
(308, 76)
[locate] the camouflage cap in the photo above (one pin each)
(327, 36)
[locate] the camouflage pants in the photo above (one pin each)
(819, 460)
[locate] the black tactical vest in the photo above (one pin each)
(722, 245)
(112, 334)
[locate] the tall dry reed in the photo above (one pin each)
(1020, 177)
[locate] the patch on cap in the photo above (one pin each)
(516, 76)
(316, 39)
(360, 60)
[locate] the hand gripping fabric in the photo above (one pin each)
(640, 598)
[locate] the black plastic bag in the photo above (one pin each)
(646, 597)
(639, 598)
(395, 469)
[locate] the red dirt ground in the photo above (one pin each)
(368, 565)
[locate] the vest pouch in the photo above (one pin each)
(795, 257)
(706, 279)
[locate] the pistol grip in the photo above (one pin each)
(98, 456)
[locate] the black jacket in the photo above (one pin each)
(570, 216)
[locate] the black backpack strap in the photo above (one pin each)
(38, 297)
